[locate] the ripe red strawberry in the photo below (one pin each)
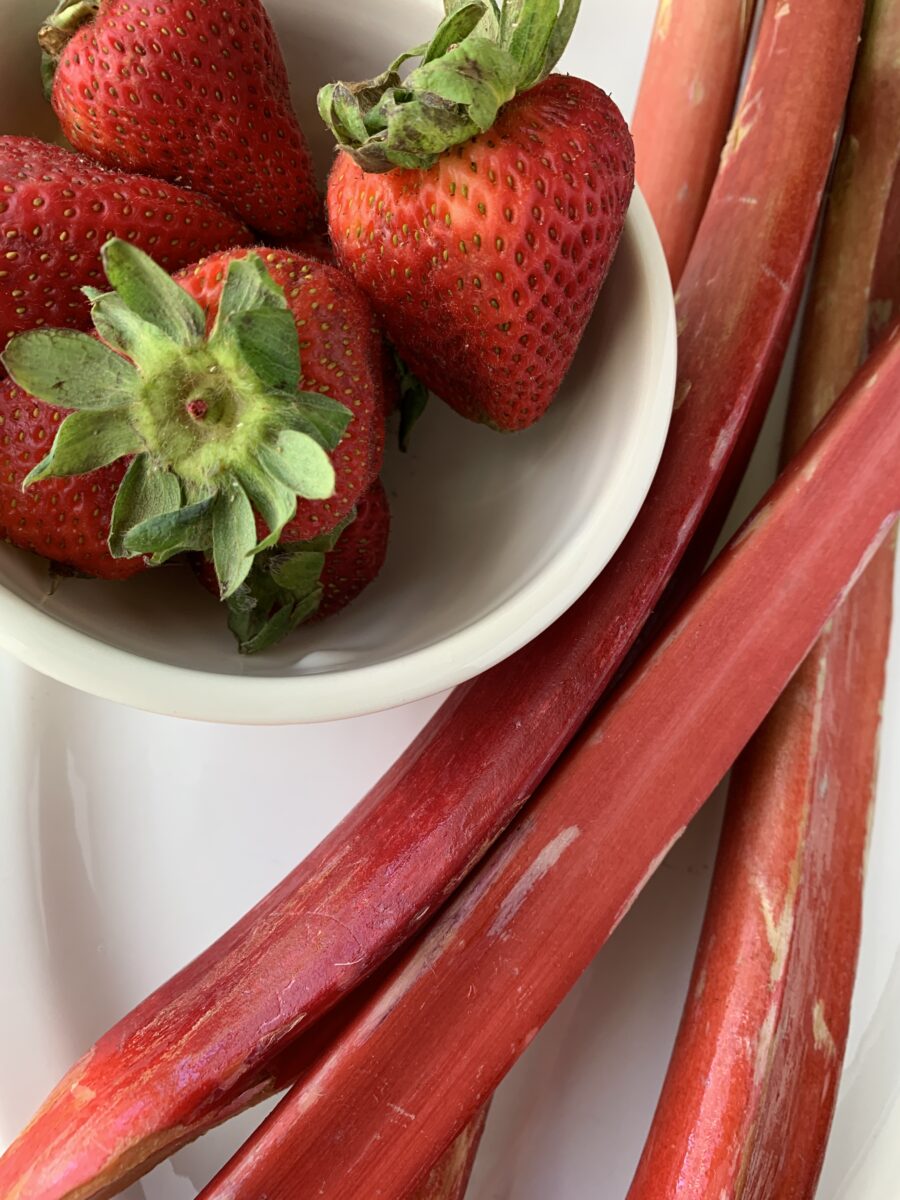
(359, 555)
(341, 356)
(188, 91)
(56, 211)
(303, 581)
(210, 402)
(482, 236)
(65, 520)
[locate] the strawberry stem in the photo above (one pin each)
(480, 58)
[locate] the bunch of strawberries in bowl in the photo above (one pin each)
(201, 354)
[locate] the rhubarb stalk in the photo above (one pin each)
(683, 112)
(749, 1096)
(684, 108)
(396, 1089)
(163, 1075)
(449, 1178)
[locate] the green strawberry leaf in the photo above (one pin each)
(70, 370)
(280, 593)
(340, 109)
(414, 397)
(561, 35)
(255, 633)
(490, 22)
(164, 536)
(274, 501)
(152, 294)
(301, 464)
(124, 330)
(454, 28)
(298, 572)
(85, 442)
(323, 419)
(480, 57)
(526, 28)
(145, 492)
(248, 285)
(233, 537)
(267, 340)
(476, 76)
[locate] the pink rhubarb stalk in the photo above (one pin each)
(747, 1103)
(163, 1075)
(684, 110)
(395, 1089)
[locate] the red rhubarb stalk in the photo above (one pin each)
(163, 1075)
(749, 1096)
(449, 1178)
(396, 1088)
(684, 110)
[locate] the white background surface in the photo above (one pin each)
(128, 842)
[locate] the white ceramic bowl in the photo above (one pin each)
(493, 536)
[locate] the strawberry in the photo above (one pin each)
(209, 403)
(56, 211)
(185, 90)
(65, 520)
(479, 204)
(303, 581)
(359, 555)
(341, 356)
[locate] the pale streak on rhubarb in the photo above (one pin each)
(424, 826)
(684, 109)
(449, 1179)
(800, 808)
(668, 742)
(545, 861)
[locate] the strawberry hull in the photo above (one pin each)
(571, 867)
(342, 358)
(405, 848)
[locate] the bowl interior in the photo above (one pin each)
(478, 518)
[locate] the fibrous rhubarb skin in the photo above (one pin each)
(840, 322)
(163, 1075)
(749, 1095)
(449, 1177)
(684, 110)
(520, 931)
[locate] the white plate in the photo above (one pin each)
(128, 842)
(492, 537)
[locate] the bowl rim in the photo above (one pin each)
(89, 664)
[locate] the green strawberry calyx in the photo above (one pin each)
(57, 31)
(214, 422)
(483, 54)
(283, 590)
